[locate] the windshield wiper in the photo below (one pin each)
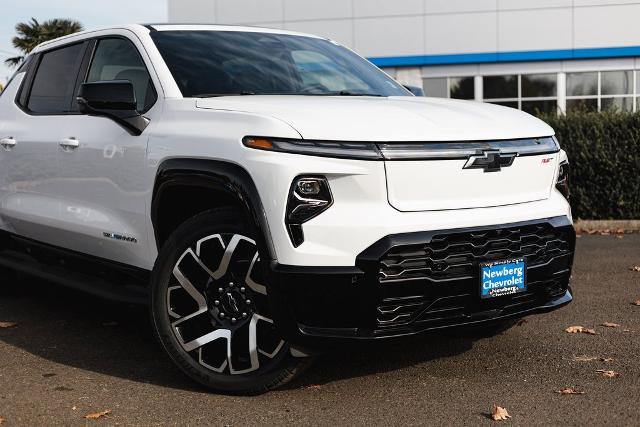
(344, 93)
(214, 95)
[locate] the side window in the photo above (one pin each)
(118, 59)
(55, 80)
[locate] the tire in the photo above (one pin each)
(210, 311)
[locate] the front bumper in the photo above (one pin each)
(413, 282)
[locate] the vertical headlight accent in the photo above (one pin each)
(562, 183)
(309, 196)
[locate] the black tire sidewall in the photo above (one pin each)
(215, 221)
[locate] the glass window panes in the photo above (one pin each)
(461, 87)
(538, 85)
(500, 87)
(616, 82)
(436, 87)
(537, 107)
(617, 104)
(577, 105)
(55, 80)
(118, 59)
(579, 84)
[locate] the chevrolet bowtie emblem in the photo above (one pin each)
(490, 161)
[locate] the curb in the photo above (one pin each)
(607, 226)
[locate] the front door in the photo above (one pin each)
(103, 203)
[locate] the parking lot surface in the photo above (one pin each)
(72, 354)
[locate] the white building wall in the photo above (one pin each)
(381, 28)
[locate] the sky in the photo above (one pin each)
(91, 13)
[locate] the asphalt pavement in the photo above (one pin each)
(72, 354)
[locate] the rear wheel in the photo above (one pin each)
(210, 310)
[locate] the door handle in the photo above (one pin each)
(70, 143)
(8, 143)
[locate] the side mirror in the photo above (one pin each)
(417, 91)
(115, 99)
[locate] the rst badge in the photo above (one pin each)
(490, 161)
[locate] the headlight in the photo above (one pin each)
(345, 150)
(309, 196)
(562, 183)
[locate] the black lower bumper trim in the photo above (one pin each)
(414, 282)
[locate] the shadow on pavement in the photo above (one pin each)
(84, 332)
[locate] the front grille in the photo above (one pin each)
(438, 280)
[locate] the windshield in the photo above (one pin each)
(217, 63)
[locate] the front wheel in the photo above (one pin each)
(210, 310)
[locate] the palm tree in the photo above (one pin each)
(32, 33)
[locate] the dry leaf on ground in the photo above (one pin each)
(569, 390)
(97, 415)
(521, 322)
(635, 268)
(2, 420)
(6, 325)
(499, 413)
(580, 330)
(608, 374)
(636, 302)
(606, 359)
(610, 325)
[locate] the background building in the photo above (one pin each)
(549, 55)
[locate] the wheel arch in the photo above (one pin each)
(228, 184)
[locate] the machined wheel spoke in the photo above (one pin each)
(221, 328)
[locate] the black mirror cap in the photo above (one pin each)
(115, 99)
(107, 95)
(415, 90)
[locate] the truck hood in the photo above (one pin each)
(387, 119)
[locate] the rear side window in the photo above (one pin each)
(118, 59)
(55, 79)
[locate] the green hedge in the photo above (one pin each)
(604, 152)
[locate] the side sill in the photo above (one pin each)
(96, 276)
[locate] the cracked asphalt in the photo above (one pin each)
(73, 354)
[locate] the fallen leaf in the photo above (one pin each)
(314, 387)
(97, 415)
(635, 268)
(636, 302)
(74, 408)
(580, 330)
(627, 330)
(620, 231)
(569, 390)
(6, 325)
(2, 420)
(610, 325)
(521, 322)
(608, 374)
(499, 413)
(607, 359)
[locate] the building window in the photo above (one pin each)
(533, 93)
(600, 91)
(437, 88)
(450, 87)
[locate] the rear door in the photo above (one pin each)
(32, 125)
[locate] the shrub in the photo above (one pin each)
(604, 152)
